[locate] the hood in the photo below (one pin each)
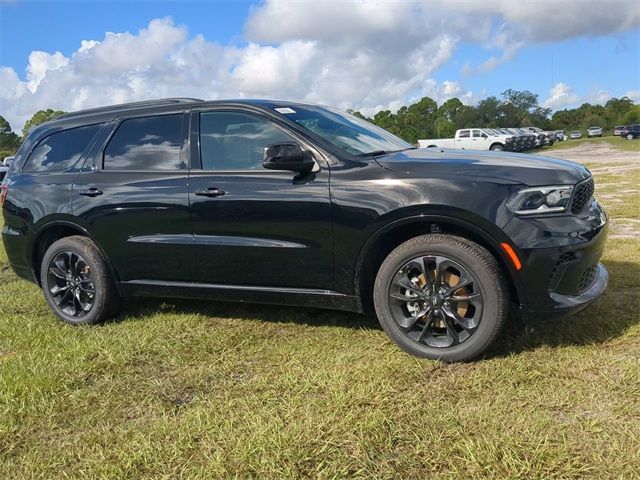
(531, 170)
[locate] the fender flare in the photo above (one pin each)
(491, 240)
(42, 229)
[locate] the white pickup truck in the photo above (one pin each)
(471, 139)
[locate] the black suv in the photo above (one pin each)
(289, 203)
(630, 132)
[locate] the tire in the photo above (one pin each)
(497, 147)
(629, 136)
(90, 280)
(480, 265)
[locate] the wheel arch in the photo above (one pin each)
(55, 230)
(389, 236)
(496, 143)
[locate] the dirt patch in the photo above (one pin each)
(603, 159)
(602, 154)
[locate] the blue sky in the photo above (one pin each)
(365, 56)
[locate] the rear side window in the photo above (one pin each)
(149, 143)
(464, 134)
(60, 151)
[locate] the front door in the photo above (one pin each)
(252, 226)
(134, 201)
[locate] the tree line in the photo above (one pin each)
(425, 119)
(513, 108)
(11, 141)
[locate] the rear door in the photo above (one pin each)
(479, 140)
(133, 200)
(252, 226)
(464, 139)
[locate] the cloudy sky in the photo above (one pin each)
(366, 55)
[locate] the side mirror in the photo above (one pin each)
(8, 161)
(287, 156)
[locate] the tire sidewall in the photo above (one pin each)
(69, 245)
(493, 304)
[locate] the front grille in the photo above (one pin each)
(587, 278)
(582, 194)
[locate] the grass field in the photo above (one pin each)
(210, 390)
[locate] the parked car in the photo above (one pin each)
(290, 203)
(618, 130)
(549, 137)
(510, 140)
(594, 132)
(532, 140)
(576, 134)
(560, 135)
(630, 132)
(3, 171)
(469, 139)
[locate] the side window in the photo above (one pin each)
(464, 134)
(148, 143)
(477, 134)
(60, 151)
(236, 141)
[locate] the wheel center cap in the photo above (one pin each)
(435, 300)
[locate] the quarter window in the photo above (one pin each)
(60, 151)
(149, 143)
(236, 141)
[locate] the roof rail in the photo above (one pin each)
(128, 106)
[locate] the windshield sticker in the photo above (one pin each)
(285, 110)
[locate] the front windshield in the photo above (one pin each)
(347, 132)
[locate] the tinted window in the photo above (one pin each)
(236, 141)
(149, 143)
(464, 134)
(345, 131)
(61, 150)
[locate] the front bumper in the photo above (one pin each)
(561, 272)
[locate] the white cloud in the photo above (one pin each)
(598, 97)
(633, 95)
(362, 54)
(561, 95)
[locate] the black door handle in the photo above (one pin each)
(210, 192)
(90, 192)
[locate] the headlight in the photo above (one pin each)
(539, 200)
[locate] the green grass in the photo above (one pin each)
(216, 390)
(614, 141)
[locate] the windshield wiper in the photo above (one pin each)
(384, 152)
(375, 153)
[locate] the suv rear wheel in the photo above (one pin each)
(76, 282)
(441, 297)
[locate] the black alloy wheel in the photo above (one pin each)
(71, 284)
(436, 301)
(77, 283)
(442, 297)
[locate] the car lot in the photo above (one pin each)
(216, 390)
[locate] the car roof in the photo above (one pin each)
(110, 112)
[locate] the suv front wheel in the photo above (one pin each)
(76, 282)
(441, 297)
